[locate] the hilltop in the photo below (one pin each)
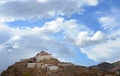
(44, 64)
(108, 67)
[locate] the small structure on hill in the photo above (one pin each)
(43, 55)
(31, 65)
(35, 62)
(51, 67)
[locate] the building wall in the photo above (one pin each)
(53, 67)
(38, 58)
(31, 65)
(39, 65)
(43, 66)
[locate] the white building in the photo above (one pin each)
(31, 65)
(51, 67)
(43, 55)
(40, 65)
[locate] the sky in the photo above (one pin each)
(84, 32)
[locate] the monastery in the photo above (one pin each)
(42, 56)
(37, 63)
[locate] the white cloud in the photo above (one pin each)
(42, 1)
(4, 33)
(11, 10)
(43, 34)
(98, 36)
(84, 39)
(54, 26)
(108, 51)
(107, 46)
(108, 22)
(92, 2)
(15, 46)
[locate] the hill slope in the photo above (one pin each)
(43, 64)
(110, 67)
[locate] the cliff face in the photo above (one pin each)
(50, 67)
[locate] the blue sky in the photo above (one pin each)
(84, 32)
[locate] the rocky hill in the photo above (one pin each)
(108, 67)
(43, 64)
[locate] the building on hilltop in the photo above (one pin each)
(43, 55)
(51, 67)
(34, 62)
(31, 65)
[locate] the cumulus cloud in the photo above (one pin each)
(111, 26)
(92, 2)
(42, 1)
(108, 22)
(107, 46)
(109, 19)
(34, 9)
(43, 33)
(108, 51)
(83, 38)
